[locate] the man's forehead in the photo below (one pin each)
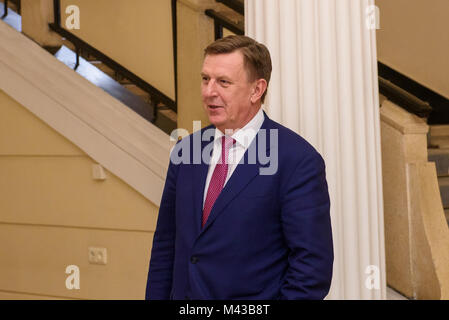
(223, 63)
(233, 59)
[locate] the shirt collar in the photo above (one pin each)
(245, 135)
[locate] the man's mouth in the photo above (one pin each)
(211, 106)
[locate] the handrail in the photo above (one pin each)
(57, 12)
(221, 21)
(235, 5)
(438, 104)
(5, 12)
(80, 44)
(156, 95)
(404, 99)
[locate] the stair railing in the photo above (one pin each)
(404, 99)
(221, 21)
(235, 5)
(156, 95)
(5, 9)
(421, 100)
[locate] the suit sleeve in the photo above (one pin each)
(307, 230)
(160, 272)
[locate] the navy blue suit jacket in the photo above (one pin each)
(267, 236)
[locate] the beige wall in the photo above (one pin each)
(414, 40)
(36, 15)
(52, 210)
(227, 32)
(195, 32)
(138, 36)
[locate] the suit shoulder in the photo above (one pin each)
(291, 144)
(186, 142)
(296, 156)
(189, 149)
(201, 133)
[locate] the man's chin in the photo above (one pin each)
(216, 121)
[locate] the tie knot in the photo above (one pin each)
(227, 142)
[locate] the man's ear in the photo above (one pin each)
(260, 86)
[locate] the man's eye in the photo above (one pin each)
(224, 82)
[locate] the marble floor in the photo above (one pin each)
(394, 295)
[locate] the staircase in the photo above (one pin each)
(163, 117)
(104, 77)
(438, 152)
(12, 18)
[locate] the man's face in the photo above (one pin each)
(226, 91)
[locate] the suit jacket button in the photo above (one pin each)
(194, 259)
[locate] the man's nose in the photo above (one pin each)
(210, 89)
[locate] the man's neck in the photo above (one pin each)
(231, 131)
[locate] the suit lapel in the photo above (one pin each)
(199, 181)
(246, 171)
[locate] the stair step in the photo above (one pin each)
(440, 130)
(441, 159)
(137, 91)
(166, 120)
(438, 136)
(443, 183)
(123, 81)
(90, 57)
(439, 142)
(52, 49)
(446, 214)
(170, 114)
(100, 65)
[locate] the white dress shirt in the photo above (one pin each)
(243, 139)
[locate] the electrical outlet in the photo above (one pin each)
(97, 255)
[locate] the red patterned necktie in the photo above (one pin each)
(218, 177)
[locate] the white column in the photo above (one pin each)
(324, 86)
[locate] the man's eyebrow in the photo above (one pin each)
(223, 77)
(226, 79)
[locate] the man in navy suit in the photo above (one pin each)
(245, 207)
